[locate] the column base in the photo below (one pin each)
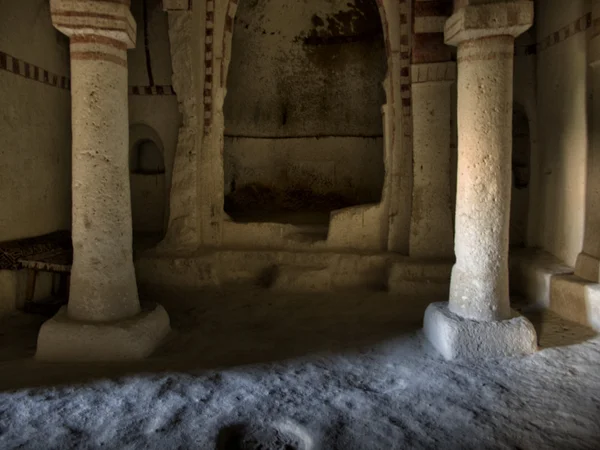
(458, 338)
(587, 267)
(64, 339)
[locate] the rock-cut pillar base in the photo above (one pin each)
(64, 339)
(458, 338)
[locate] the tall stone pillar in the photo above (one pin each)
(588, 261)
(103, 319)
(431, 218)
(478, 321)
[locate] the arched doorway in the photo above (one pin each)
(148, 186)
(303, 122)
(521, 173)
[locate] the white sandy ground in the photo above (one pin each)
(250, 369)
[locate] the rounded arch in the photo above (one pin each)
(140, 133)
(393, 210)
(384, 6)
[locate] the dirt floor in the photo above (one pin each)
(251, 369)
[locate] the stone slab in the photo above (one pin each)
(63, 339)
(531, 273)
(337, 270)
(458, 338)
(588, 267)
(576, 299)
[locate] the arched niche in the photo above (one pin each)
(148, 184)
(201, 42)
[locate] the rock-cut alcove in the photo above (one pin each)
(303, 121)
(147, 177)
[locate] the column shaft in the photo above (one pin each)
(479, 286)
(588, 261)
(431, 229)
(103, 285)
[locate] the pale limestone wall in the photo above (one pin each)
(35, 135)
(35, 131)
(562, 89)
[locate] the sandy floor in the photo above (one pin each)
(248, 369)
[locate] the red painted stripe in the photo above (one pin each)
(97, 39)
(83, 27)
(98, 56)
(63, 13)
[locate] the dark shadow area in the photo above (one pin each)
(260, 203)
(218, 329)
(521, 174)
(553, 330)
(247, 436)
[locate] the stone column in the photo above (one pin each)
(103, 319)
(588, 261)
(431, 218)
(478, 321)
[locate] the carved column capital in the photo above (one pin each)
(490, 19)
(110, 19)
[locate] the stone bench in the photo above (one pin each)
(51, 253)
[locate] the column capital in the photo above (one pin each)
(108, 18)
(478, 21)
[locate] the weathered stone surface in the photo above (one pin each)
(478, 21)
(63, 339)
(431, 227)
(458, 338)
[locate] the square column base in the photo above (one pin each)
(64, 339)
(458, 338)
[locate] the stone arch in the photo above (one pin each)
(200, 40)
(393, 212)
(149, 188)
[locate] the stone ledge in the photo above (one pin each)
(576, 299)
(490, 19)
(531, 273)
(587, 267)
(63, 339)
(458, 338)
